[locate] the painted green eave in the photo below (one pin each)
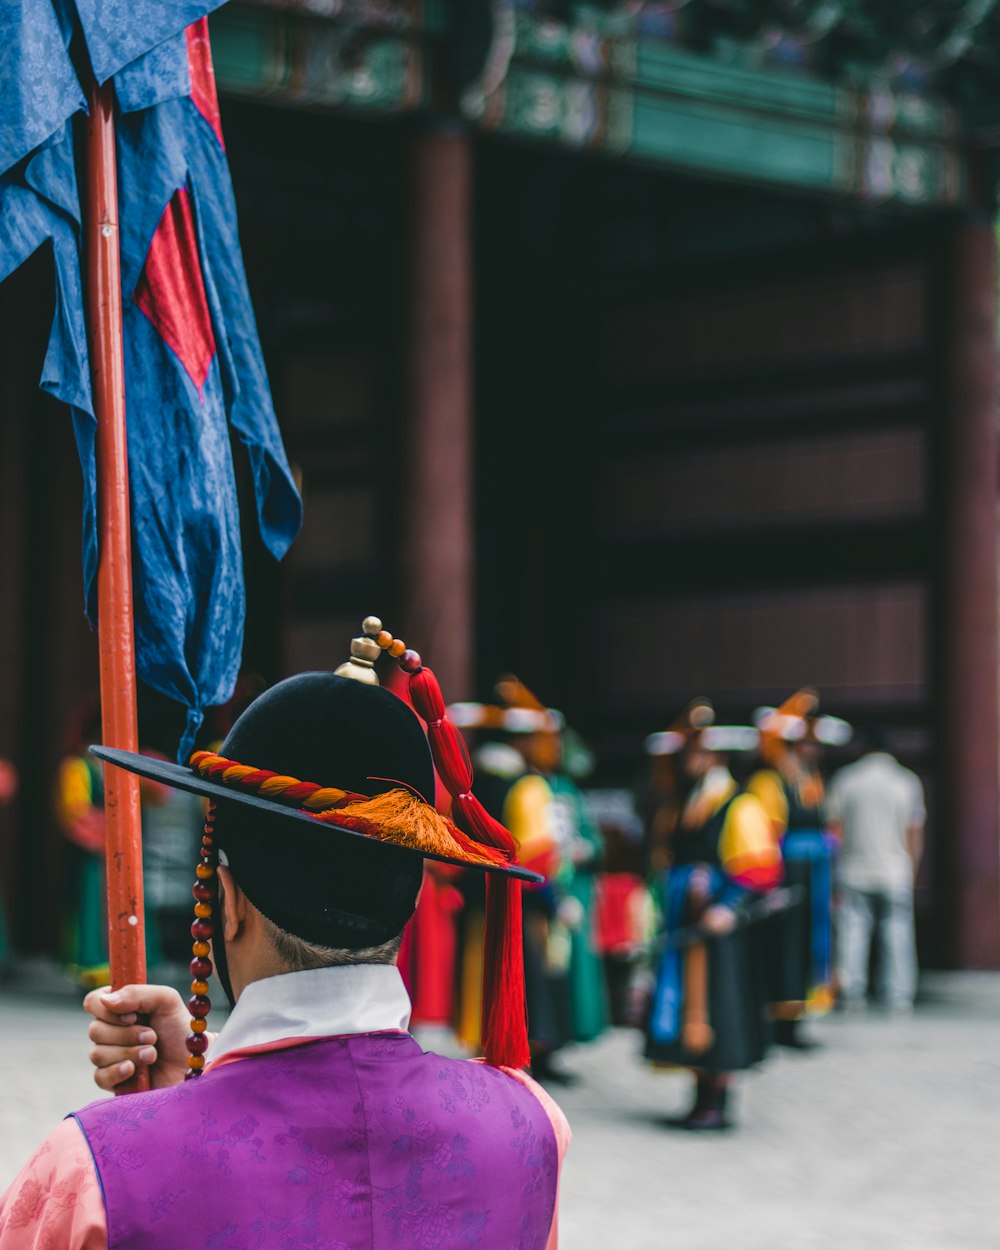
(791, 94)
(302, 61)
(694, 115)
(643, 99)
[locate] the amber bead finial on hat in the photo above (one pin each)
(364, 652)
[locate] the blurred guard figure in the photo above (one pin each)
(708, 1005)
(79, 809)
(877, 807)
(799, 942)
(172, 821)
(625, 915)
(553, 753)
(522, 801)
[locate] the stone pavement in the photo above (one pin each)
(887, 1139)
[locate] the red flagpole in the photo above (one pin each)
(116, 639)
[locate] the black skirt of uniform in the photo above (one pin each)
(737, 1009)
(785, 941)
(546, 993)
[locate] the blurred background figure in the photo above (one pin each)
(79, 805)
(427, 954)
(624, 913)
(523, 802)
(172, 822)
(720, 855)
(171, 832)
(876, 806)
(556, 754)
(799, 941)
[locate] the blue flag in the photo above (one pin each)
(193, 364)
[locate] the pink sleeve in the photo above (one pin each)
(563, 1134)
(55, 1202)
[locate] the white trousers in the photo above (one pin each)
(889, 913)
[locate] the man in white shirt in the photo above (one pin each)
(877, 808)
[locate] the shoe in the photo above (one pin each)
(787, 1033)
(543, 1071)
(802, 1044)
(709, 1112)
(708, 1120)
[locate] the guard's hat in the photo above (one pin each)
(798, 719)
(695, 726)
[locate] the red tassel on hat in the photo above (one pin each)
(504, 1023)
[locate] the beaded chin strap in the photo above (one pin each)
(504, 1026)
(202, 931)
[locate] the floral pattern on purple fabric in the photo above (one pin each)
(312, 1163)
(530, 1238)
(207, 1143)
(340, 1145)
(451, 1158)
(473, 1226)
(163, 1202)
(383, 1045)
(465, 1088)
(538, 1161)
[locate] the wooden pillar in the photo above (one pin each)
(436, 543)
(970, 824)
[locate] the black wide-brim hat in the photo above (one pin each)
(326, 729)
(331, 877)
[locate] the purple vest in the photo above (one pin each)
(354, 1143)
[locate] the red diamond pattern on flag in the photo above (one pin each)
(203, 91)
(171, 289)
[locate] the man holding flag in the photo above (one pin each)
(316, 1119)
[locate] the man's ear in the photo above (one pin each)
(233, 904)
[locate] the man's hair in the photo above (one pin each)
(299, 955)
(876, 738)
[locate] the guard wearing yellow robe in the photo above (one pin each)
(708, 1008)
(790, 787)
(523, 802)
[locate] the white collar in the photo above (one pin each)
(320, 1002)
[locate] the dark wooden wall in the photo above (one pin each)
(708, 455)
(320, 221)
(765, 499)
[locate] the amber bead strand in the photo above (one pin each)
(409, 661)
(202, 931)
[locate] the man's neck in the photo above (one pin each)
(319, 1002)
